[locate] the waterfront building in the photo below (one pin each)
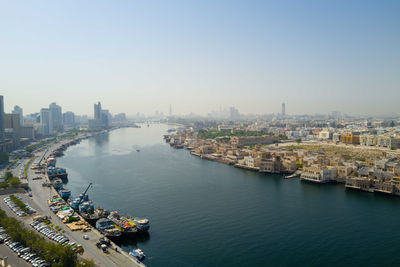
(19, 111)
(359, 183)
(289, 164)
(271, 165)
(318, 174)
(204, 149)
(56, 119)
(375, 181)
(250, 162)
(343, 172)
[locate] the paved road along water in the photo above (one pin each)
(206, 213)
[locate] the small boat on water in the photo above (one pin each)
(138, 254)
(137, 150)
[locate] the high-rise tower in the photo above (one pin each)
(283, 109)
(97, 111)
(56, 122)
(20, 112)
(46, 126)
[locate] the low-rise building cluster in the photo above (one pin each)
(259, 153)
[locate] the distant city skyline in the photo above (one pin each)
(314, 56)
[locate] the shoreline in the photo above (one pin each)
(346, 181)
(93, 230)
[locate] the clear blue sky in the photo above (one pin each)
(317, 56)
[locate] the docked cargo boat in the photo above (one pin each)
(107, 228)
(51, 162)
(127, 226)
(143, 225)
(65, 193)
(57, 183)
(92, 216)
(85, 208)
(53, 172)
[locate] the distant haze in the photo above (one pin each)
(141, 56)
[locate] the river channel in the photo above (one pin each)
(205, 213)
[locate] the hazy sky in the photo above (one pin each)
(317, 56)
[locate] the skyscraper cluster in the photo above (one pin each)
(51, 119)
(102, 118)
(17, 130)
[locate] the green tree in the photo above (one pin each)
(15, 182)
(7, 176)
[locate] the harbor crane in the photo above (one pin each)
(70, 219)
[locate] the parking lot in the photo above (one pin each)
(51, 234)
(17, 210)
(20, 251)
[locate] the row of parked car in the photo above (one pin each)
(51, 234)
(16, 209)
(22, 252)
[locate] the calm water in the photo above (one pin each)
(204, 213)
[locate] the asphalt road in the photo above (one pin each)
(12, 257)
